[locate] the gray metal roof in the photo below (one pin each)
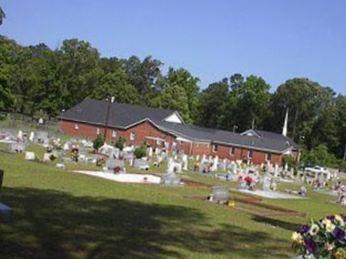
(120, 115)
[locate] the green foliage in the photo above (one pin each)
(98, 142)
(116, 85)
(319, 156)
(120, 143)
(213, 104)
(249, 102)
(140, 152)
(290, 161)
(173, 97)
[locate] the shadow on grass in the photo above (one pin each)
(276, 223)
(49, 224)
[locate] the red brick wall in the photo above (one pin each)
(201, 149)
(141, 131)
(147, 129)
(258, 157)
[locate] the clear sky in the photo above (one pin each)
(276, 39)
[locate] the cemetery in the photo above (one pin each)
(253, 208)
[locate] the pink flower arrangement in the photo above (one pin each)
(325, 238)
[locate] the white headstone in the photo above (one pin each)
(276, 170)
(46, 157)
(150, 151)
(170, 165)
(20, 135)
(32, 136)
(215, 163)
(60, 166)
(185, 163)
(29, 156)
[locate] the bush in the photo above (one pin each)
(140, 152)
(290, 161)
(319, 156)
(98, 142)
(120, 143)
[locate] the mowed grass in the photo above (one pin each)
(63, 214)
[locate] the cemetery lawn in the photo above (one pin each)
(63, 214)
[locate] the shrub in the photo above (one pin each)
(98, 142)
(120, 143)
(140, 152)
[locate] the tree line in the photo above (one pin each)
(38, 81)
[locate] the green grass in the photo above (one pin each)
(63, 214)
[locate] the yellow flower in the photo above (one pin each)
(340, 253)
(340, 220)
(314, 229)
(297, 237)
(328, 224)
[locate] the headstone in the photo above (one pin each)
(46, 157)
(5, 212)
(171, 179)
(220, 194)
(20, 135)
(1, 177)
(141, 164)
(276, 170)
(42, 137)
(215, 163)
(17, 147)
(32, 136)
(185, 163)
(150, 152)
(30, 156)
(60, 166)
(170, 165)
(66, 146)
(266, 183)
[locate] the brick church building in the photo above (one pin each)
(166, 129)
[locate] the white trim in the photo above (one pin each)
(154, 138)
(250, 131)
(183, 140)
(178, 115)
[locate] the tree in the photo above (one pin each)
(174, 98)
(120, 143)
(236, 80)
(183, 79)
(98, 142)
(213, 104)
(2, 15)
(341, 125)
(143, 75)
(78, 69)
(248, 102)
(116, 84)
(319, 156)
(6, 98)
(140, 152)
(305, 99)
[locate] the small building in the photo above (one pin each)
(165, 129)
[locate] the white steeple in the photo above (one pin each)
(284, 129)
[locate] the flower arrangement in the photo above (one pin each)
(325, 238)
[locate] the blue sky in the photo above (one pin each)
(276, 39)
